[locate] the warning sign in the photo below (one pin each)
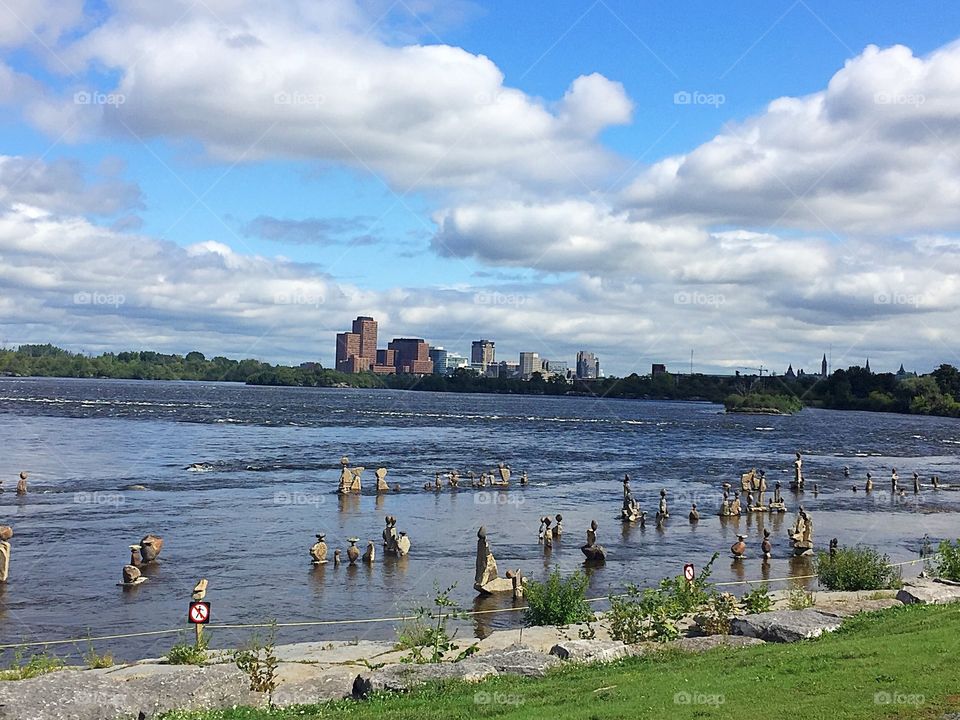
(688, 572)
(199, 613)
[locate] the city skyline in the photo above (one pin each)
(780, 182)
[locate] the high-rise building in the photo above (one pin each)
(588, 365)
(482, 352)
(357, 350)
(529, 364)
(412, 356)
(366, 328)
(348, 352)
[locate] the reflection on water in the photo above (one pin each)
(267, 469)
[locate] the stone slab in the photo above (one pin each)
(518, 660)
(594, 651)
(785, 625)
(928, 592)
(709, 642)
(400, 678)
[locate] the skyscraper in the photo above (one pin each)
(588, 366)
(412, 355)
(357, 350)
(482, 352)
(529, 364)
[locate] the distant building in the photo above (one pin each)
(357, 350)
(588, 366)
(869, 371)
(529, 364)
(508, 370)
(556, 367)
(658, 369)
(483, 353)
(445, 362)
(412, 356)
(790, 374)
(902, 374)
(823, 366)
(386, 362)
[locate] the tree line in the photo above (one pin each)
(852, 389)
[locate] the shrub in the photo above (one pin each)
(858, 568)
(260, 664)
(654, 614)
(557, 601)
(801, 599)
(716, 620)
(95, 660)
(429, 643)
(757, 600)
(187, 654)
(36, 665)
(948, 561)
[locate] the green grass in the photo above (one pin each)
(908, 653)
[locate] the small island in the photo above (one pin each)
(763, 404)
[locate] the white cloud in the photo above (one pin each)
(37, 21)
(293, 86)
(876, 153)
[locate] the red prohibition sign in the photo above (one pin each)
(199, 613)
(688, 572)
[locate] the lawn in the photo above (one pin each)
(902, 663)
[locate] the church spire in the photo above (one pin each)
(823, 366)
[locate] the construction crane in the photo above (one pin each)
(760, 369)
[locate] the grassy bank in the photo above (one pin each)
(898, 663)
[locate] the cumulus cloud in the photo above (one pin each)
(63, 186)
(875, 153)
(297, 86)
(37, 21)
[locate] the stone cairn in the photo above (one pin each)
(318, 551)
(487, 581)
(150, 547)
(394, 543)
(349, 477)
(6, 532)
(630, 512)
(766, 547)
(739, 548)
(22, 484)
(593, 552)
(353, 552)
(797, 483)
(382, 486)
(801, 535)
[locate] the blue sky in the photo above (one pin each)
(202, 176)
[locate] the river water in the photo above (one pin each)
(270, 467)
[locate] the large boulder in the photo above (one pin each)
(929, 592)
(518, 660)
(403, 677)
(785, 625)
(593, 651)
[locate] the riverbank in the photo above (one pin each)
(874, 658)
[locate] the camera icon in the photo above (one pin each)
(281, 98)
(882, 299)
(82, 298)
(682, 298)
(82, 98)
(682, 97)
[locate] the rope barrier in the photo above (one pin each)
(367, 621)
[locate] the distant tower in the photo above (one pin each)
(868, 365)
(823, 366)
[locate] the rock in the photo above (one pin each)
(402, 677)
(150, 547)
(593, 651)
(152, 690)
(6, 532)
(928, 592)
(785, 625)
(518, 660)
(709, 642)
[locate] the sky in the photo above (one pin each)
(755, 184)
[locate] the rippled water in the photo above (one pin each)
(271, 465)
